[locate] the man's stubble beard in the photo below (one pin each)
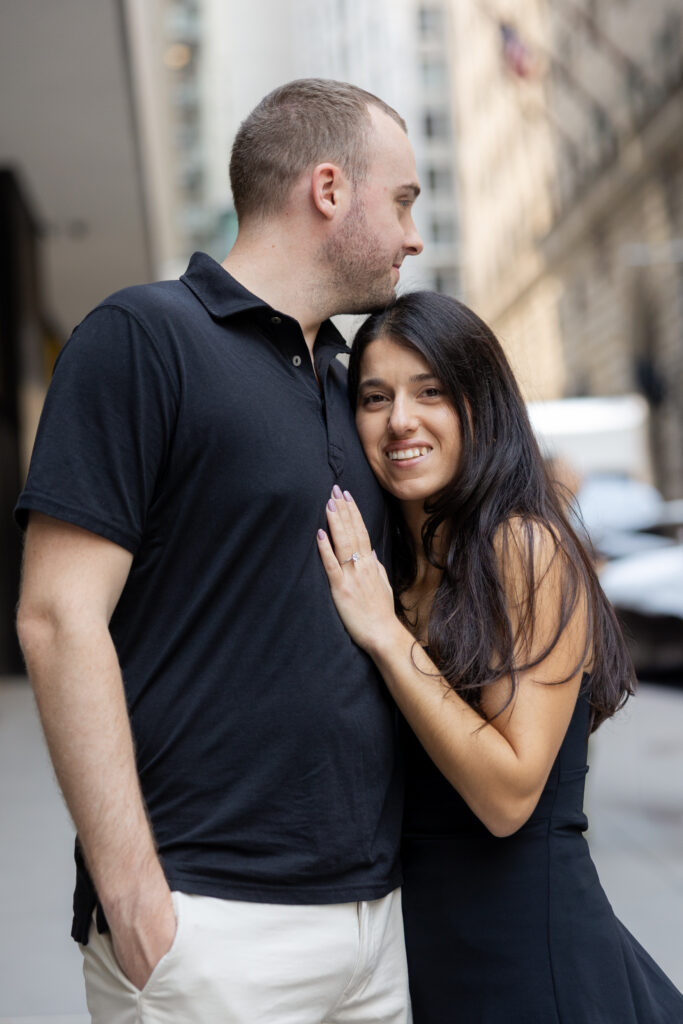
(359, 266)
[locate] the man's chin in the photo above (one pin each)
(374, 303)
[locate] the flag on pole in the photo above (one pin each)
(519, 58)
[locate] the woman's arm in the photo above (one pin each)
(498, 767)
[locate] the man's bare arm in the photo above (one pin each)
(72, 580)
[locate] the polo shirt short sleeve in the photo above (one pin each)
(106, 427)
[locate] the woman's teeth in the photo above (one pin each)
(406, 453)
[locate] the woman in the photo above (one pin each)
(502, 654)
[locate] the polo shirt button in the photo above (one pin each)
(276, 319)
(296, 360)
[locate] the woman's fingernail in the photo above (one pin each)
(321, 535)
(336, 491)
(331, 505)
(347, 495)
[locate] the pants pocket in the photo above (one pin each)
(102, 970)
(170, 958)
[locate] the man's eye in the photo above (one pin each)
(372, 399)
(432, 392)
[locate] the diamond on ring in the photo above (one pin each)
(355, 557)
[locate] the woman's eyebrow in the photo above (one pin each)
(377, 382)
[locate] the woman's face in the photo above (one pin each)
(408, 428)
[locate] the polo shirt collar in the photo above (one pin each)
(216, 289)
(223, 296)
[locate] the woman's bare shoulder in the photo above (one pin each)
(523, 542)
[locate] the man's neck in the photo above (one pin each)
(280, 274)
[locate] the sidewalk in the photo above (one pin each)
(635, 804)
(40, 965)
(635, 801)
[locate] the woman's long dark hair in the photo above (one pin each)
(501, 480)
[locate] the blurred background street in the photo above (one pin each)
(548, 140)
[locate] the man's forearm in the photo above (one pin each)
(79, 691)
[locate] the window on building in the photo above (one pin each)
(603, 130)
(443, 230)
(430, 21)
(185, 94)
(446, 282)
(434, 72)
(440, 181)
(436, 125)
(183, 22)
(190, 177)
(668, 36)
(580, 296)
(186, 134)
(636, 86)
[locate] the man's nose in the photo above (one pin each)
(414, 244)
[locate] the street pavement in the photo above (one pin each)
(634, 803)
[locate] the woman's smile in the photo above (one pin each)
(407, 453)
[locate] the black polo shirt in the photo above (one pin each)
(184, 422)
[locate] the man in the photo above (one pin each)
(225, 750)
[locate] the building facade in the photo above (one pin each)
(616, 240)
(570, 155)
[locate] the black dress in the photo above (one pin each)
(517, 930)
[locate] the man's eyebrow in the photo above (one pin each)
(410, 187)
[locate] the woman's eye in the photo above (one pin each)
(432, 392)
(372, 399)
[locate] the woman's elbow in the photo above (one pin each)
(508, 817)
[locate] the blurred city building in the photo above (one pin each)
(73, 214)
(212, 60)
(570, 154)
(506, 169)
(617, 234)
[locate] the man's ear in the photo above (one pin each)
(329, 188)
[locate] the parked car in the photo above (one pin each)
(599, 448)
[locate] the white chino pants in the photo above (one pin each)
(262, 963)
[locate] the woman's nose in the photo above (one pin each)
(402, 417)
